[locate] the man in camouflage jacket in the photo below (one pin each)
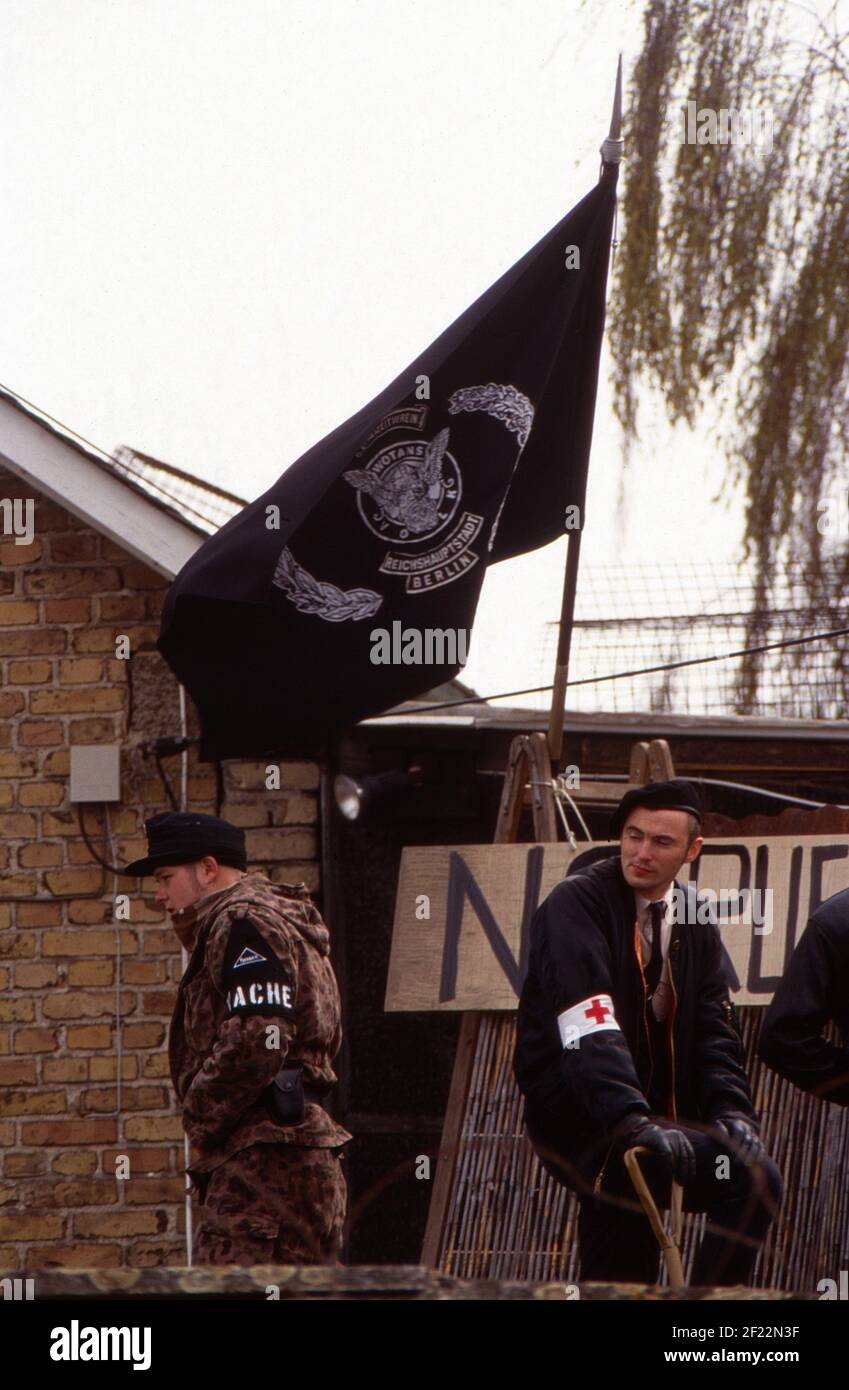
(259, 995)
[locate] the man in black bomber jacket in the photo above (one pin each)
(625, 1036)
(813, 991)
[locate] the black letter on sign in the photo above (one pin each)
(462, 885)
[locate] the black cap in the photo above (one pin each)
(183, 837)
(675, 795)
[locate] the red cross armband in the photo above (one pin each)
(592, 1015)
(254, 979)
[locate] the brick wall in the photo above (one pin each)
(77, 987)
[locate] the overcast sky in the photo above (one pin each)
(227, 224)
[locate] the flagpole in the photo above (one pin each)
(611, 153)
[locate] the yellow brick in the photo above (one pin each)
(65, 1069)
(18, 826)
(88, 1004)
(68, 881)
(36, 1040)
(143, 972)
(39, 914)
(41, 794)
(19, 764)
(297, 809)
(17, 1073)
(75, 1165)
(41, 856)
(141, 1035)
(91, 972)
(301, 776)
(35, 975)
(42, 1103)
(95, 1036)
(93, 730)
(73, 1256)
(81, 670)
(201, 788)
(123, 1223)
(13, 554)
(89, 911)
(149, 1128)
(27, 1226)
(156, 1065)
(248, 814)
(102, 639)
(264, 845)
(87, 701)
(11, 702)
(17, 1011)
(85, 943)
(30, 672)
(66, 823)
(14, 613)
(106, 1068)
(15, 641)
(57, 764)
(17, 945)
(19, 886)
(70, 582)
(24, 1165)
(142, 1191)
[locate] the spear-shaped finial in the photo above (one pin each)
(611, 148)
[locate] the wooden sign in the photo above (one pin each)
(463, 913)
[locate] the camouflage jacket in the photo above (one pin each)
(259, 993)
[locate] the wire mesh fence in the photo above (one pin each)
(627, 618)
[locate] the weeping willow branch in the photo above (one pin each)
(733, 269)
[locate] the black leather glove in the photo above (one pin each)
(670, 1145)
(744, 1141)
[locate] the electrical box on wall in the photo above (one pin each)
(96, 772)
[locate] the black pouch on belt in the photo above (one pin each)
(286, 1096)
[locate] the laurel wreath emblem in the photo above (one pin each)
(505, 403)
(311, 595)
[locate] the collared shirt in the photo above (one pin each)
(662, 998)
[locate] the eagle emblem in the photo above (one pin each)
(412, 488)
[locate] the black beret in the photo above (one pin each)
(183, 837)
(675, 795)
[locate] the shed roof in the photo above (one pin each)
(158, 513)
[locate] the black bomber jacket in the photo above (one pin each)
(583, 944)
(813, 991)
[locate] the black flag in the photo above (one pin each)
(352, 584)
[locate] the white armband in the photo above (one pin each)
(593, 1015)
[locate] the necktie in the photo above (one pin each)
(655, 964)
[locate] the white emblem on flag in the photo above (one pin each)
(248, 957)
(593, 1015)
(409, 490)
(505, 403)
(325, 600)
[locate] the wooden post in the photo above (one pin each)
(611, 153)
(527, 762)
